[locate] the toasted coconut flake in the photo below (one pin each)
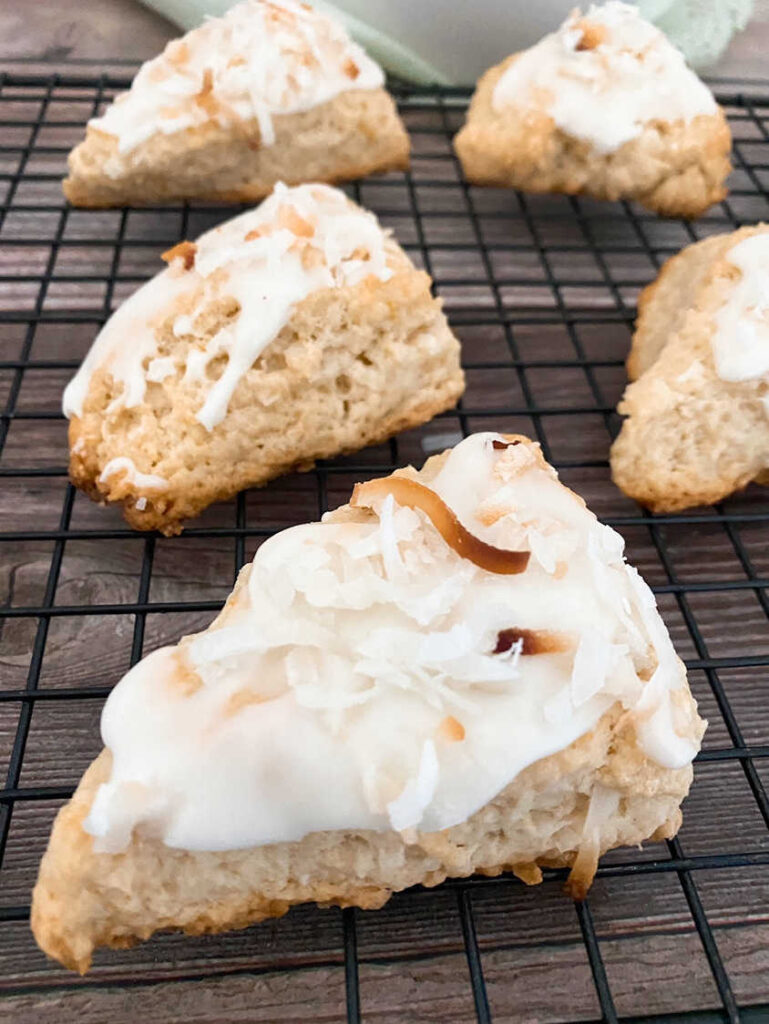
(529, 874)
(451, 729)
(174, 110)
(415, 495)
(311, 257)
(289, 218)
(182, 250)
(582, 872)
(207, 85)
(280, 14)
(489, 514)
(186, 680)
(205, 98)
(592, 35)
(351, 69)
(259, 232)
(178, 53)
(533, 641)
(241, 699)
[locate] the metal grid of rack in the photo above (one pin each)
(541, 291)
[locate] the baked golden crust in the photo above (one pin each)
(352, 367)
(355, 134)
(689, 437)
(677, 169)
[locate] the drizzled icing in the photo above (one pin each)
(268, 259)
(603, 76)
(264, 57)
(125, 466)
(740, 340)
(354, 680)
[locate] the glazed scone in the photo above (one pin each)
(456, 672)
(273, 91)
(295, 331)
(606, 107)
(697, 417)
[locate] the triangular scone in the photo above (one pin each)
(273, 91)
(697, 424)
(605, 106)
(456, 672)
(293, 332)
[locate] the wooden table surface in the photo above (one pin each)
(557, 280)
(52, 31)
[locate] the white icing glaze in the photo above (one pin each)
(740, 340)
(320, 699)
(607, 93)
(141, 481)
(260, 260)
(160, 368)
(127, 340)
(264, 57)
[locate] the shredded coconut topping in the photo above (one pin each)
(603, 76)
(268, 259)
(356, 679)
(264, 57)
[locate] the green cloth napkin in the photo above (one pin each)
(701, 28)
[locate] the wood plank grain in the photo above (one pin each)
(55, 31)
(277, 998)
(525, 986)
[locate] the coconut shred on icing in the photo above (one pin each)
(367, 676)
(268, 259)
(264, 57)
(603, 76)
(740, 340)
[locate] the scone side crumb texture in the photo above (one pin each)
(351, 365)
(349, 137)
(272, 91)
(601, 790)
(674, 166)
(689, 437)
(663, 304)
(85, 900)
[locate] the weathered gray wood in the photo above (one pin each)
(548, 983)
(53, 31)
(316, 995)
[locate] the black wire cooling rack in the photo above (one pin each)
(541, 291)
